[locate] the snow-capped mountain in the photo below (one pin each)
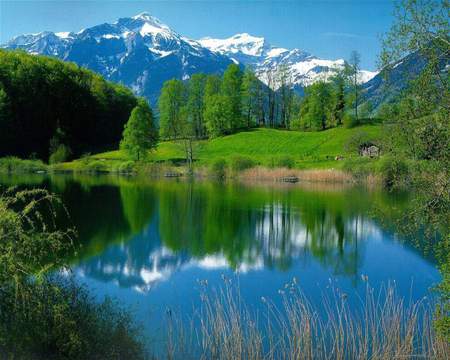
(256, 52)
(141, 52)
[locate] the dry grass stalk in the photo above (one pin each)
(382, 327)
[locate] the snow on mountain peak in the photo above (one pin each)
(244, 43)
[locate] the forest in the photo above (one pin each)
(48, 106)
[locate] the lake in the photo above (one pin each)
(151, 244)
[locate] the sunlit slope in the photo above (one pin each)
(308, 149)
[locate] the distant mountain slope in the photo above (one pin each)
(140, 52)
(386, 85)
(260, 55)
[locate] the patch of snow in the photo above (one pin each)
(110, 36)
(63, 34)
(239, 43)
(275, 52)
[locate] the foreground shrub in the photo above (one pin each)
(58, 319)
(240, 163)
(45, 317)
(219, 168)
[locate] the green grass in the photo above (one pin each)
(309, 150)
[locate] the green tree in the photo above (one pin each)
(140, 134)
(217, 114)
(250, 91)
(339, 98)
(353, 69)
(316, 108)
(286, 94)
(195, 104)
(231, 92)
(171, 104)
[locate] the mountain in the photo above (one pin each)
(257, 53)
(391, 81)
(140, 52)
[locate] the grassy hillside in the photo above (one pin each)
(309, 150)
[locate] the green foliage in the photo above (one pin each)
(52, 96)
(358, 140)
(316, 111)
(60, 155)
(217, 115)
(395, 171)
(251, 93)
(172, 111)
(49, 318)
(140, 134)
(240, 163)
(350, 121)
(231, 91)
(13, 164)
(285, 161)
(126, 167)
(219, 168)
(195, 104)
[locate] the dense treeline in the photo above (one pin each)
(210, 105)
(48, 106)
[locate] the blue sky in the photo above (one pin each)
(329, 29)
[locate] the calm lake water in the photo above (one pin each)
(149, 243)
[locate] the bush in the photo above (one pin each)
(359, 167)
(44, 317)
(395, 172)
(282, 162)
(125, 167)
(240, 163)
(13, 164)
(219, 168)
(357, 141)
(350, 121)
(60, 155)
(58, 319)
(97, 166)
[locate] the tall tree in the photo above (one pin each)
(354, 67)
(339, 98)
(286, 94)
(250, 91)
(316, 107)
(140, 133)
(217, 114)
(271, 95)
(171, 104)
(195, 104)
(231, 90)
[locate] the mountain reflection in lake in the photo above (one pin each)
(149, 242)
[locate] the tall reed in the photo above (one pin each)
(382, 326)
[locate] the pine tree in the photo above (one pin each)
(140, 134)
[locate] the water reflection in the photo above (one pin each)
(138, 233)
